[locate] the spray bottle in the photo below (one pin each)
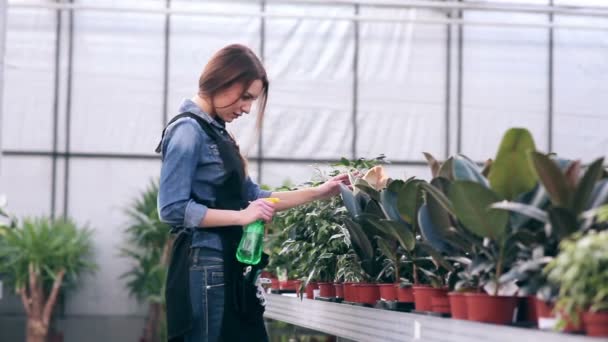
(252, 243)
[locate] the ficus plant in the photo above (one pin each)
(579, 271)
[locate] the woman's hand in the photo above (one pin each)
(259, 209)
(332, 186)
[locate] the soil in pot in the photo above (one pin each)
(491, 309)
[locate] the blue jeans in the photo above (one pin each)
(206, 294)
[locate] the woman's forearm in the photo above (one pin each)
(221, 218)
(294, 198)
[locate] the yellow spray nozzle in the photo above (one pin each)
(272, 199)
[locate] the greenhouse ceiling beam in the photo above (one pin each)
(360, 18)
(134, 156)
(453, 5)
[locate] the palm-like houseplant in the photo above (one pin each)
(41, 258)
(149, 246)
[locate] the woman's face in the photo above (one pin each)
(231, 103)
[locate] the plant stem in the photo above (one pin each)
(499, 266)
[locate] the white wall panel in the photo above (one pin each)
(581, 85)
(100, 191)
(194, 40)
(310, 67)
(29, 80)
(402, 84)
(117, 80)
(26, 181)
(505, 82)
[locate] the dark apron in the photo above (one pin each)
(243, 314)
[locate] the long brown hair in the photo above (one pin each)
(234, 64)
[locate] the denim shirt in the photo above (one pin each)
(191, 163)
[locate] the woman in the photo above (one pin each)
(206, 196)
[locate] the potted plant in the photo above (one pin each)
(566, 201)
(41, 258)
(311, 238)
(148, 246)
(580, 272)
(464, 196)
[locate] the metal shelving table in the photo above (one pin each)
(368, 324)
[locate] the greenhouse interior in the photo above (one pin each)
(409, 170)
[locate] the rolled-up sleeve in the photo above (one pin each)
(254, 191)
(181, 153)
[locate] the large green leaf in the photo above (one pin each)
(552, 178)
(434, 235)
(399, 231)
(360, 242)
(585, 187)
(466, 170)
(563, 222)
(388, 199)
(352, 205)
(439, 196)
(362, 185)
(408, 198)
(433, 164)
(438, 215)
(446, 170)
(524, 209)
(599, 195)
(472, 203)
(511, 172)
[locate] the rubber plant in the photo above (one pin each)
(460, 199)
(572, 199)
(41, 258)
(148, 247)
(383, 217)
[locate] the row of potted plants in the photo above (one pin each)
(477, 242)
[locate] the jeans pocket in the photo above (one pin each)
(216, 279)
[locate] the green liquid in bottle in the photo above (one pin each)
(252, 243)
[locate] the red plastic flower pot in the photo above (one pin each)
(458, 305)
(339, 288)
(327, 290)
(596, 323)
(528, 304)
(387, 292)
(289, 285)
(349, 292)
(491, 309)
(572, 327)
(423, 295)
(547, 317)
(405, 294)
(440, 304)
(367, 293)
(310, 290)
